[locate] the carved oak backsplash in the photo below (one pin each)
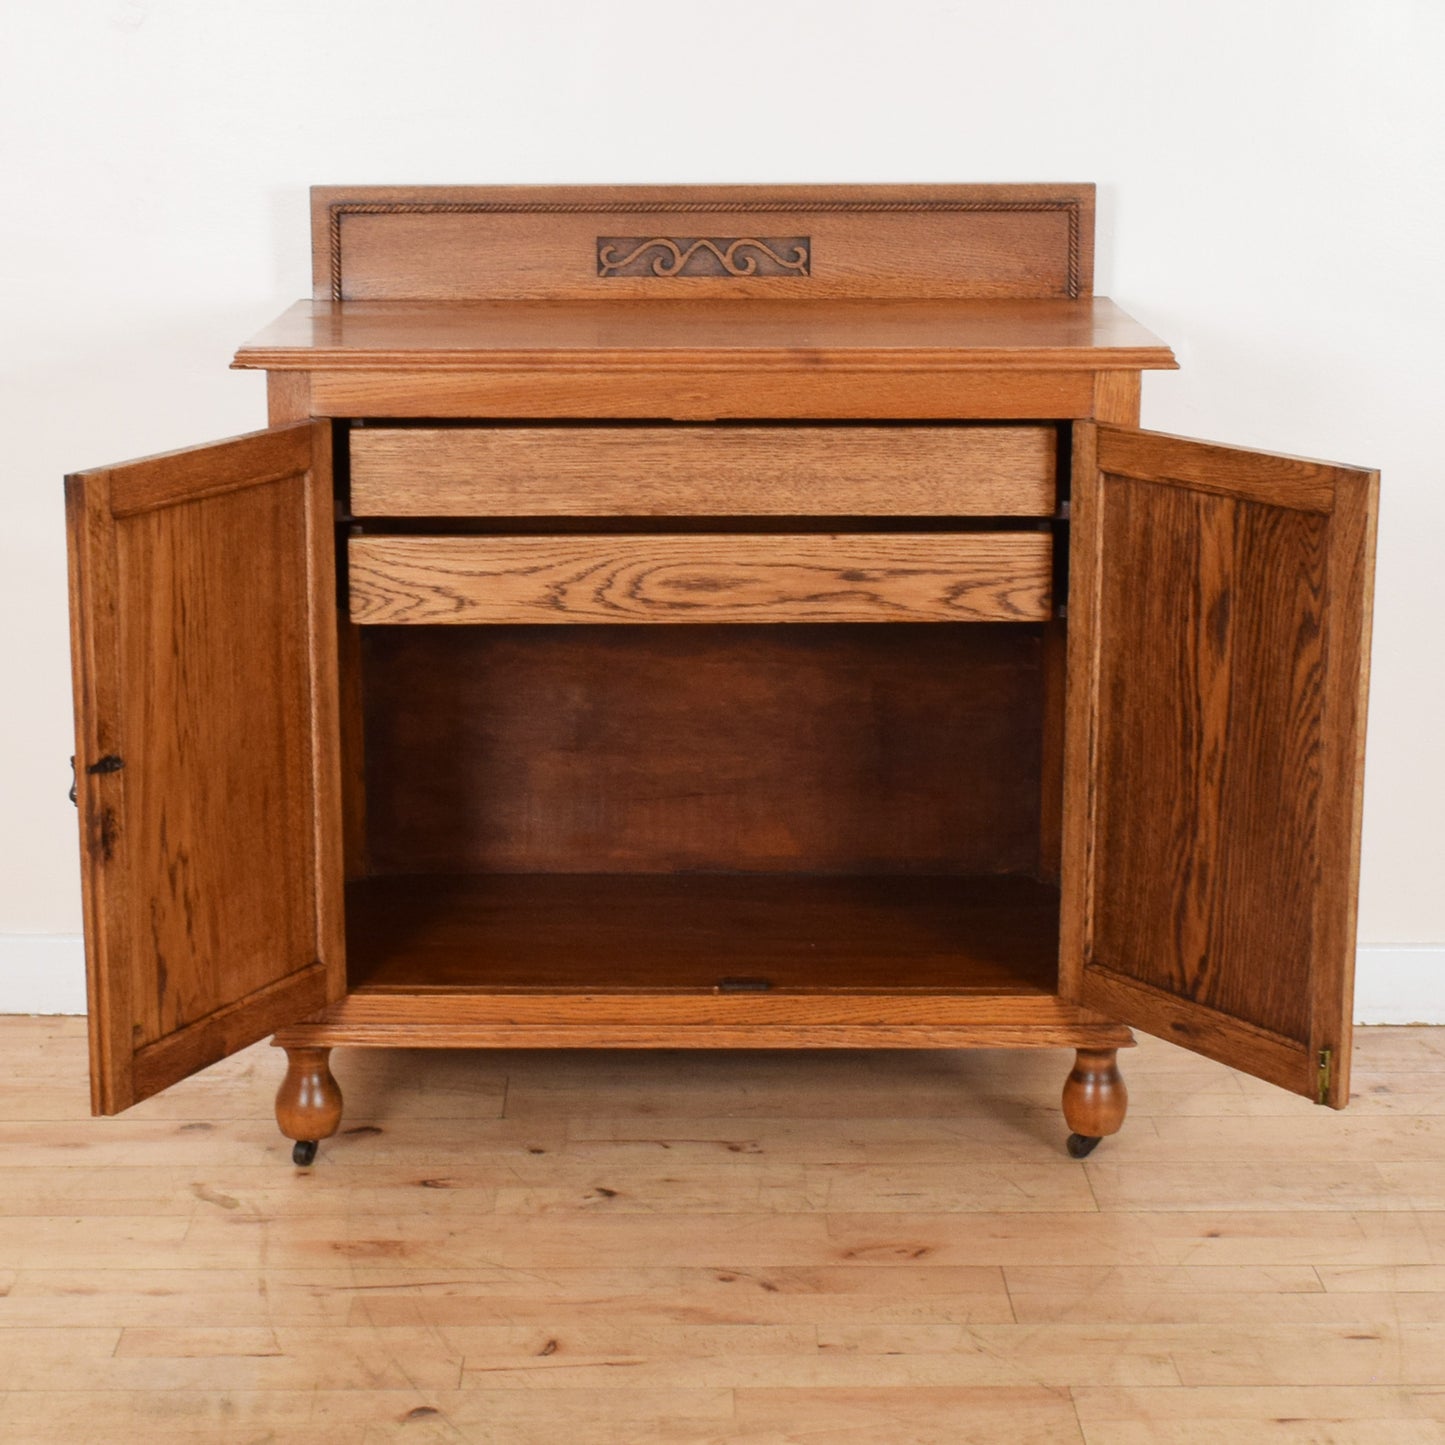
(704, 255)
(578, 243)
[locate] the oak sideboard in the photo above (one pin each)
(723, 617)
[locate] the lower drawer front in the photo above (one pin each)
(890, 577)
(592, 471)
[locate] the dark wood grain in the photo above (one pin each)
(205, 661)
(1350, 567)
(839, 749)
(1053, 678)
(1210, 628)
(863, 577)
(1206, 829)
(682, 471)
(579, 933)
(351, 741)
(1206, 847)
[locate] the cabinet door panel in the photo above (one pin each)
(203, 628)
(1219, 619)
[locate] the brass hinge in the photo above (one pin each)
(1326, 1059)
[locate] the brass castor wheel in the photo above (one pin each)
(1080, 1145)
(305, 1151)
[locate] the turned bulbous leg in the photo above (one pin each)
(308, 1103)
(1095, 1099)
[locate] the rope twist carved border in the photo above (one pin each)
(338, 209)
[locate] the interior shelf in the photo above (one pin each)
(702, 933)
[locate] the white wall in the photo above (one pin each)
(1271, 203)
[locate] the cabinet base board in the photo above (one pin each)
(670, 1021)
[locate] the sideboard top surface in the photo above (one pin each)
(1081, 335)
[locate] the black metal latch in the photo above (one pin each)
(108, 764)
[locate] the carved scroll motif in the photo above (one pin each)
(704, 255)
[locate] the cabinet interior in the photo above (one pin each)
(805, 808)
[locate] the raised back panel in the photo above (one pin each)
(411, 243)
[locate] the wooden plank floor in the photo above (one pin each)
(829, 1247)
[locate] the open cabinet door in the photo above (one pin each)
(1219, 605)
(204, 651)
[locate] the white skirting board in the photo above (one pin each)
(1400, 983)
(44, 973)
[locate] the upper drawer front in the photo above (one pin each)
(875, 577)
(663, 471)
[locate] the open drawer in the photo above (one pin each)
(866, 577)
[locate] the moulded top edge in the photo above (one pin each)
(1088, 334)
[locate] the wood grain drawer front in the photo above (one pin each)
(582, 471)
(897, 577)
